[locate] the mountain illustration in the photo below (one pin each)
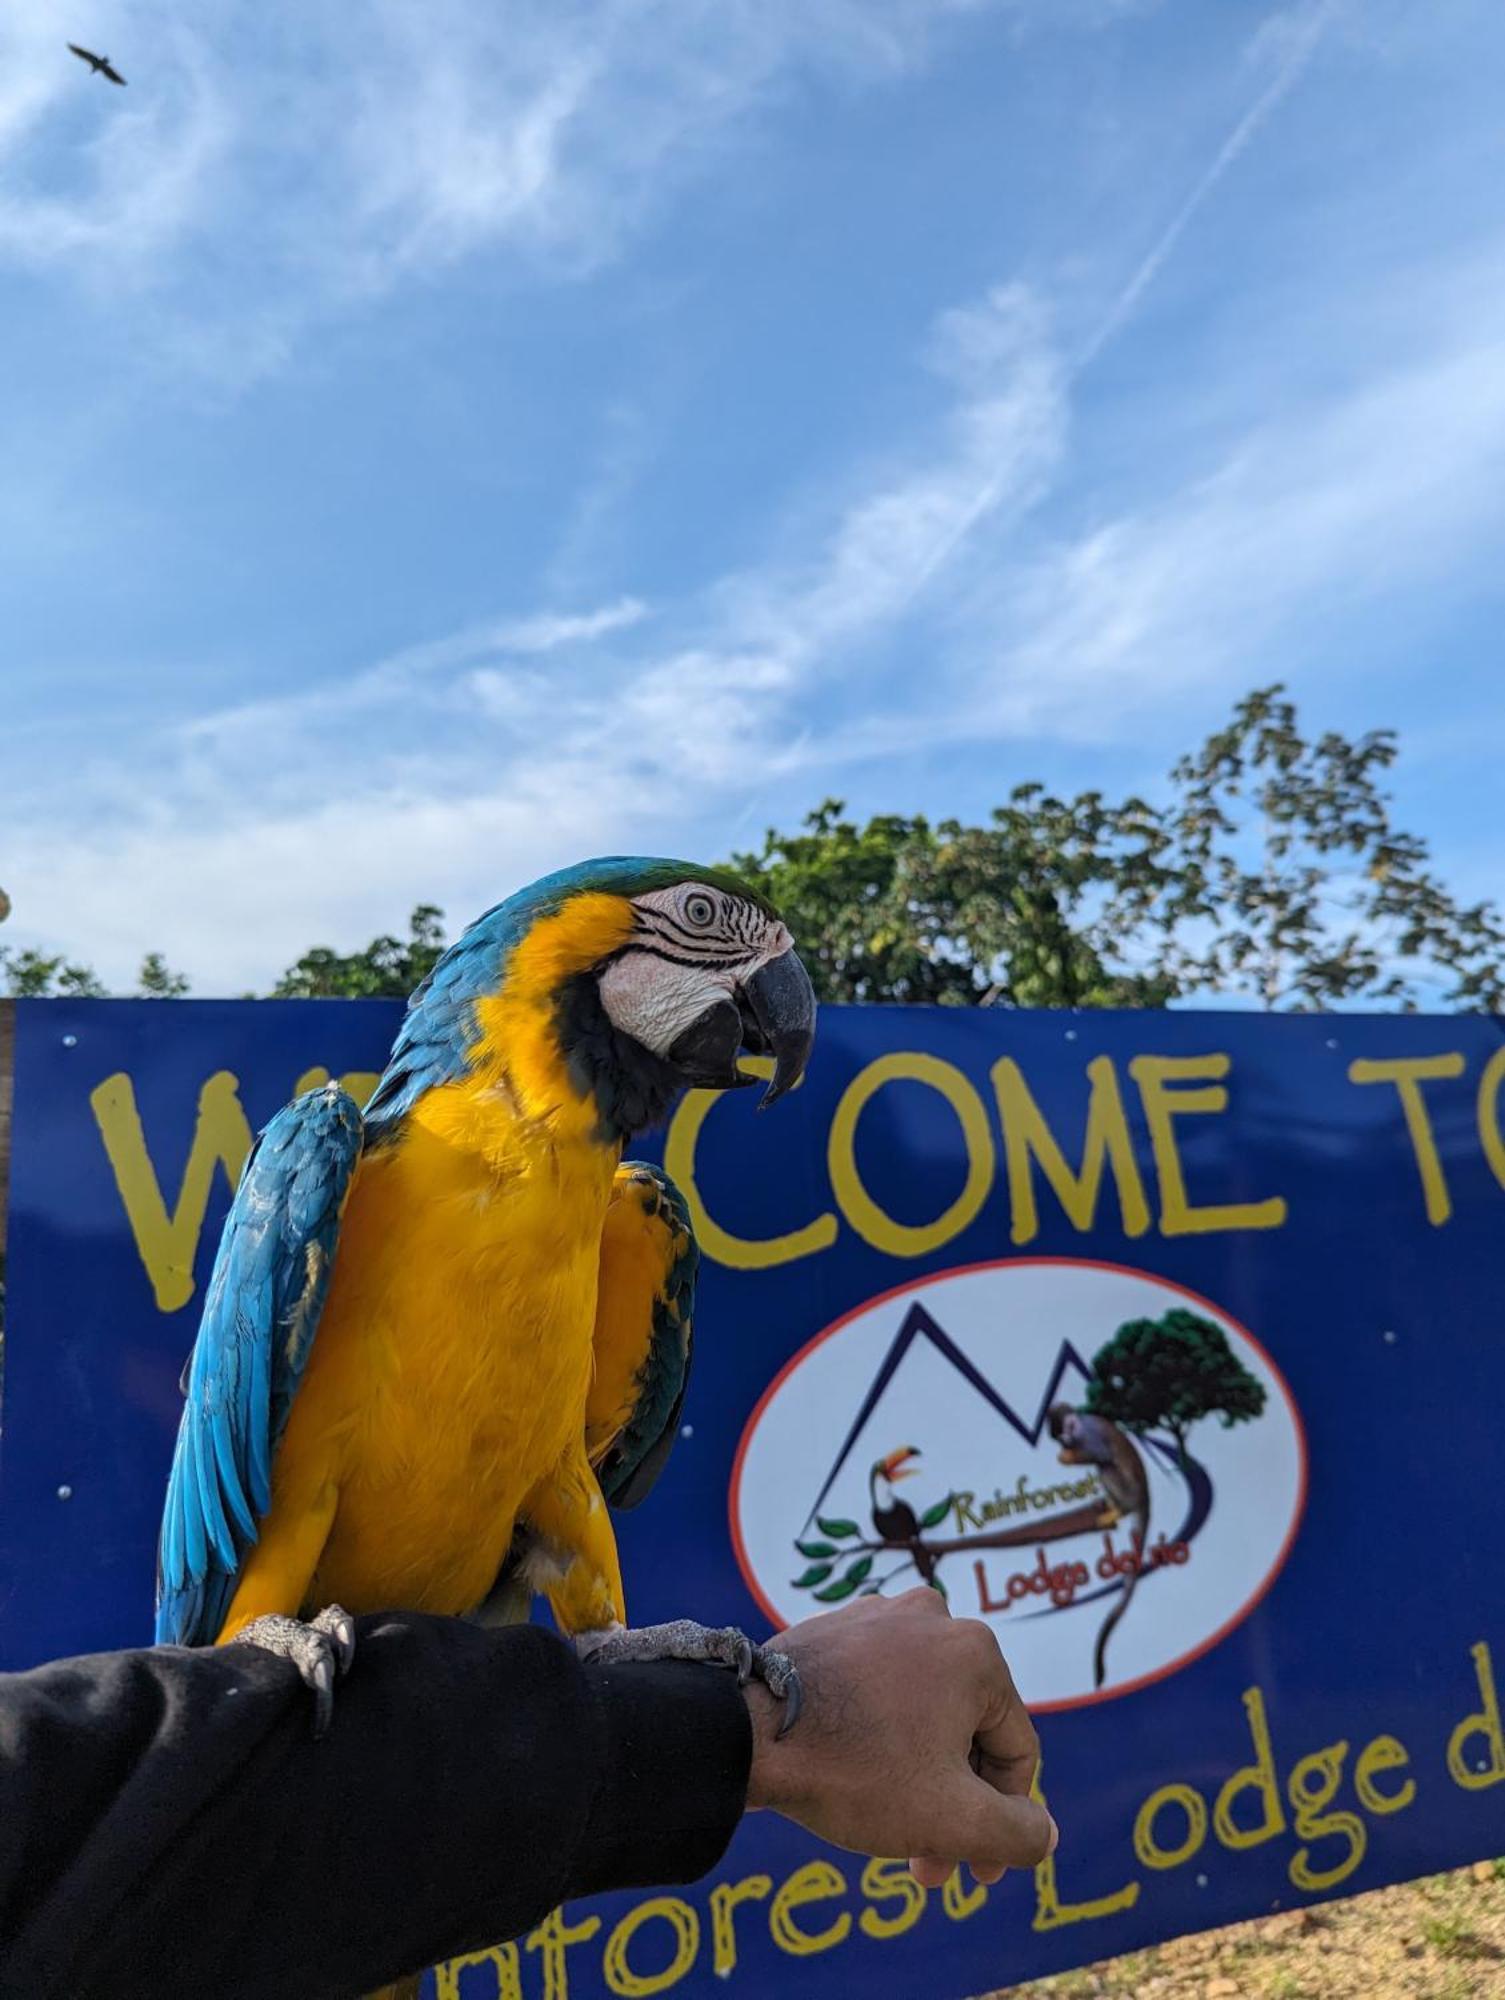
(919, 1324)
(1066, 1380)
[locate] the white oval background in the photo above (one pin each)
(1010, 1320)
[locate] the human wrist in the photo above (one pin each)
(771, 1779)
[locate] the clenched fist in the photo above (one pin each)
(912, 1741)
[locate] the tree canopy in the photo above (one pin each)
(1008, 913)
(1169, 1373)
(1269, 869)
(388, 968)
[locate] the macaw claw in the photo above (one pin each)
(321, 1650)
(717, 1646)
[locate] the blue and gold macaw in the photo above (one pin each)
(442, 1335)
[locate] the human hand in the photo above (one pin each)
(912, 1740)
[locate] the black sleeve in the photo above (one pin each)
(169, 1826)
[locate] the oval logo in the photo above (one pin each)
(1106, 1467)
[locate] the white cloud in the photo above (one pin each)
(1286, 42)
(1323, 519)
(101, 180)
(456, 767)
(268, 164)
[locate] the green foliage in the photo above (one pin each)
(854, 1562)
(389, 967)
(1308, 893)
(1270, 869)
(1170, 1372)
(901, 910)
(32, 975)
(157, 981)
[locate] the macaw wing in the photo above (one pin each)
(643, 1338)
(267, 1290)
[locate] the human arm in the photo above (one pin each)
(168, 1825)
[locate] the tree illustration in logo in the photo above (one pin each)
(1169, 1373)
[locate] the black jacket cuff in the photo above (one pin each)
(678, 1736)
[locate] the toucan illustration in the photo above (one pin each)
(894, 1520)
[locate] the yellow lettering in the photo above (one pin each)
(1484, 1722)
(1408, 1073)
(1259, 1778)
(891, 1882)
(1383, 1754)
(724, 1899)
(810, 1884)
(1051, 1913)
(1149, 1850)
(1028, 1140)
(551, 1941)
(1490, 1137)
(1163, 1105)
(1311, 1787)
(873, 1224)
(957, 1900)
(742, 1253)
(503, 1960)
(221, 1138)
(681, 1919)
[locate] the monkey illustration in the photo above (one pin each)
(1086, 1439)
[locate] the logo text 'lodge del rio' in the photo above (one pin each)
(1105, 1466)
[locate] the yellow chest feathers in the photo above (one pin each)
(456, 1341)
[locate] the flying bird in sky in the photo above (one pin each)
(101, 65)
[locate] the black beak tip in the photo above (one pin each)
(788, 1071)
(779, 1019)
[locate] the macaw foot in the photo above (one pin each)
(719, 1646)
(321, 1650)
(1109, 1518)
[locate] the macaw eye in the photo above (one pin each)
(699, 910)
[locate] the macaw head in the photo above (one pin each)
(706, 974)
(638, 978)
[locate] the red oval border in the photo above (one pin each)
(1182, 1660)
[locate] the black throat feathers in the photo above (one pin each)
(633, 1088)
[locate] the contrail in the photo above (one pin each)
(1303, 43)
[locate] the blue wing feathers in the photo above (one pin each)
(270, 1279)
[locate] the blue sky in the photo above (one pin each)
(438, 449)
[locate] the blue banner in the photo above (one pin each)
(1169, 1343)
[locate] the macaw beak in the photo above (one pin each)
(773, 1014)
(777, 1006)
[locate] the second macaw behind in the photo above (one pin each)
(443, 1334)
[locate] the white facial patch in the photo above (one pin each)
(694, 945)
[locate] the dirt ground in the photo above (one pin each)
(1438, 1939)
